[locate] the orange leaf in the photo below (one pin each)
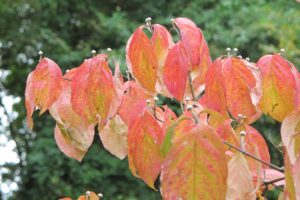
(144, 155)
(161, 42)
(114, 137)
(243, 88)
(214, 119)
(141, 59)
(197, 50)
(233, 85)
(254, 142)
(43, 87)
(279, 87)
(239, 180)
(133, 103)
(195, 167)
(73, 134)
(100, 87)
(205, 63)
(169, 117)
(184, 124)
(226, 132)
(290, 134)
(119, 91)
(61, 110)
(215, 96)
(176, 71)
(193, 42)
(81, 102)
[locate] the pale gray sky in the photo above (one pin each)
(7, 147)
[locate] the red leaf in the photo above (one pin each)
(100, 87)
(279, 87)
(176, 71)
(92, 89)
(205, 62)
(215, 96)
(73, 134)
(144, 155)
(254, 141)
(133, 103)
(191, 38)
(81, 104)
(184, 124)
(43, 87)
(195, 167)
(212, 118)
(226, 132)
(243, 88)
(176, 130)
(194, 43)
(233, 85)
(141, 59)
(119, 91)
(161, 42)
(169, 117)
(197, 50)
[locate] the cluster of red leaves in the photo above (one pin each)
(187, 152)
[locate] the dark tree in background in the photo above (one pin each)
(67, 31)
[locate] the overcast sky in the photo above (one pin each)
(7, 147)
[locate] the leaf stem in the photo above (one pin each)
(191, 86)
(155, 116)
(254, 157)
(175, 28)
(181, 107)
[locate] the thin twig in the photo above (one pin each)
(273, 143)
(174, 27)
(274, 181)
(254, 157)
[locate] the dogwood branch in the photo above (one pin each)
(274, 181)
(253, 157)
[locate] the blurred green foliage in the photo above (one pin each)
(66, 31)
